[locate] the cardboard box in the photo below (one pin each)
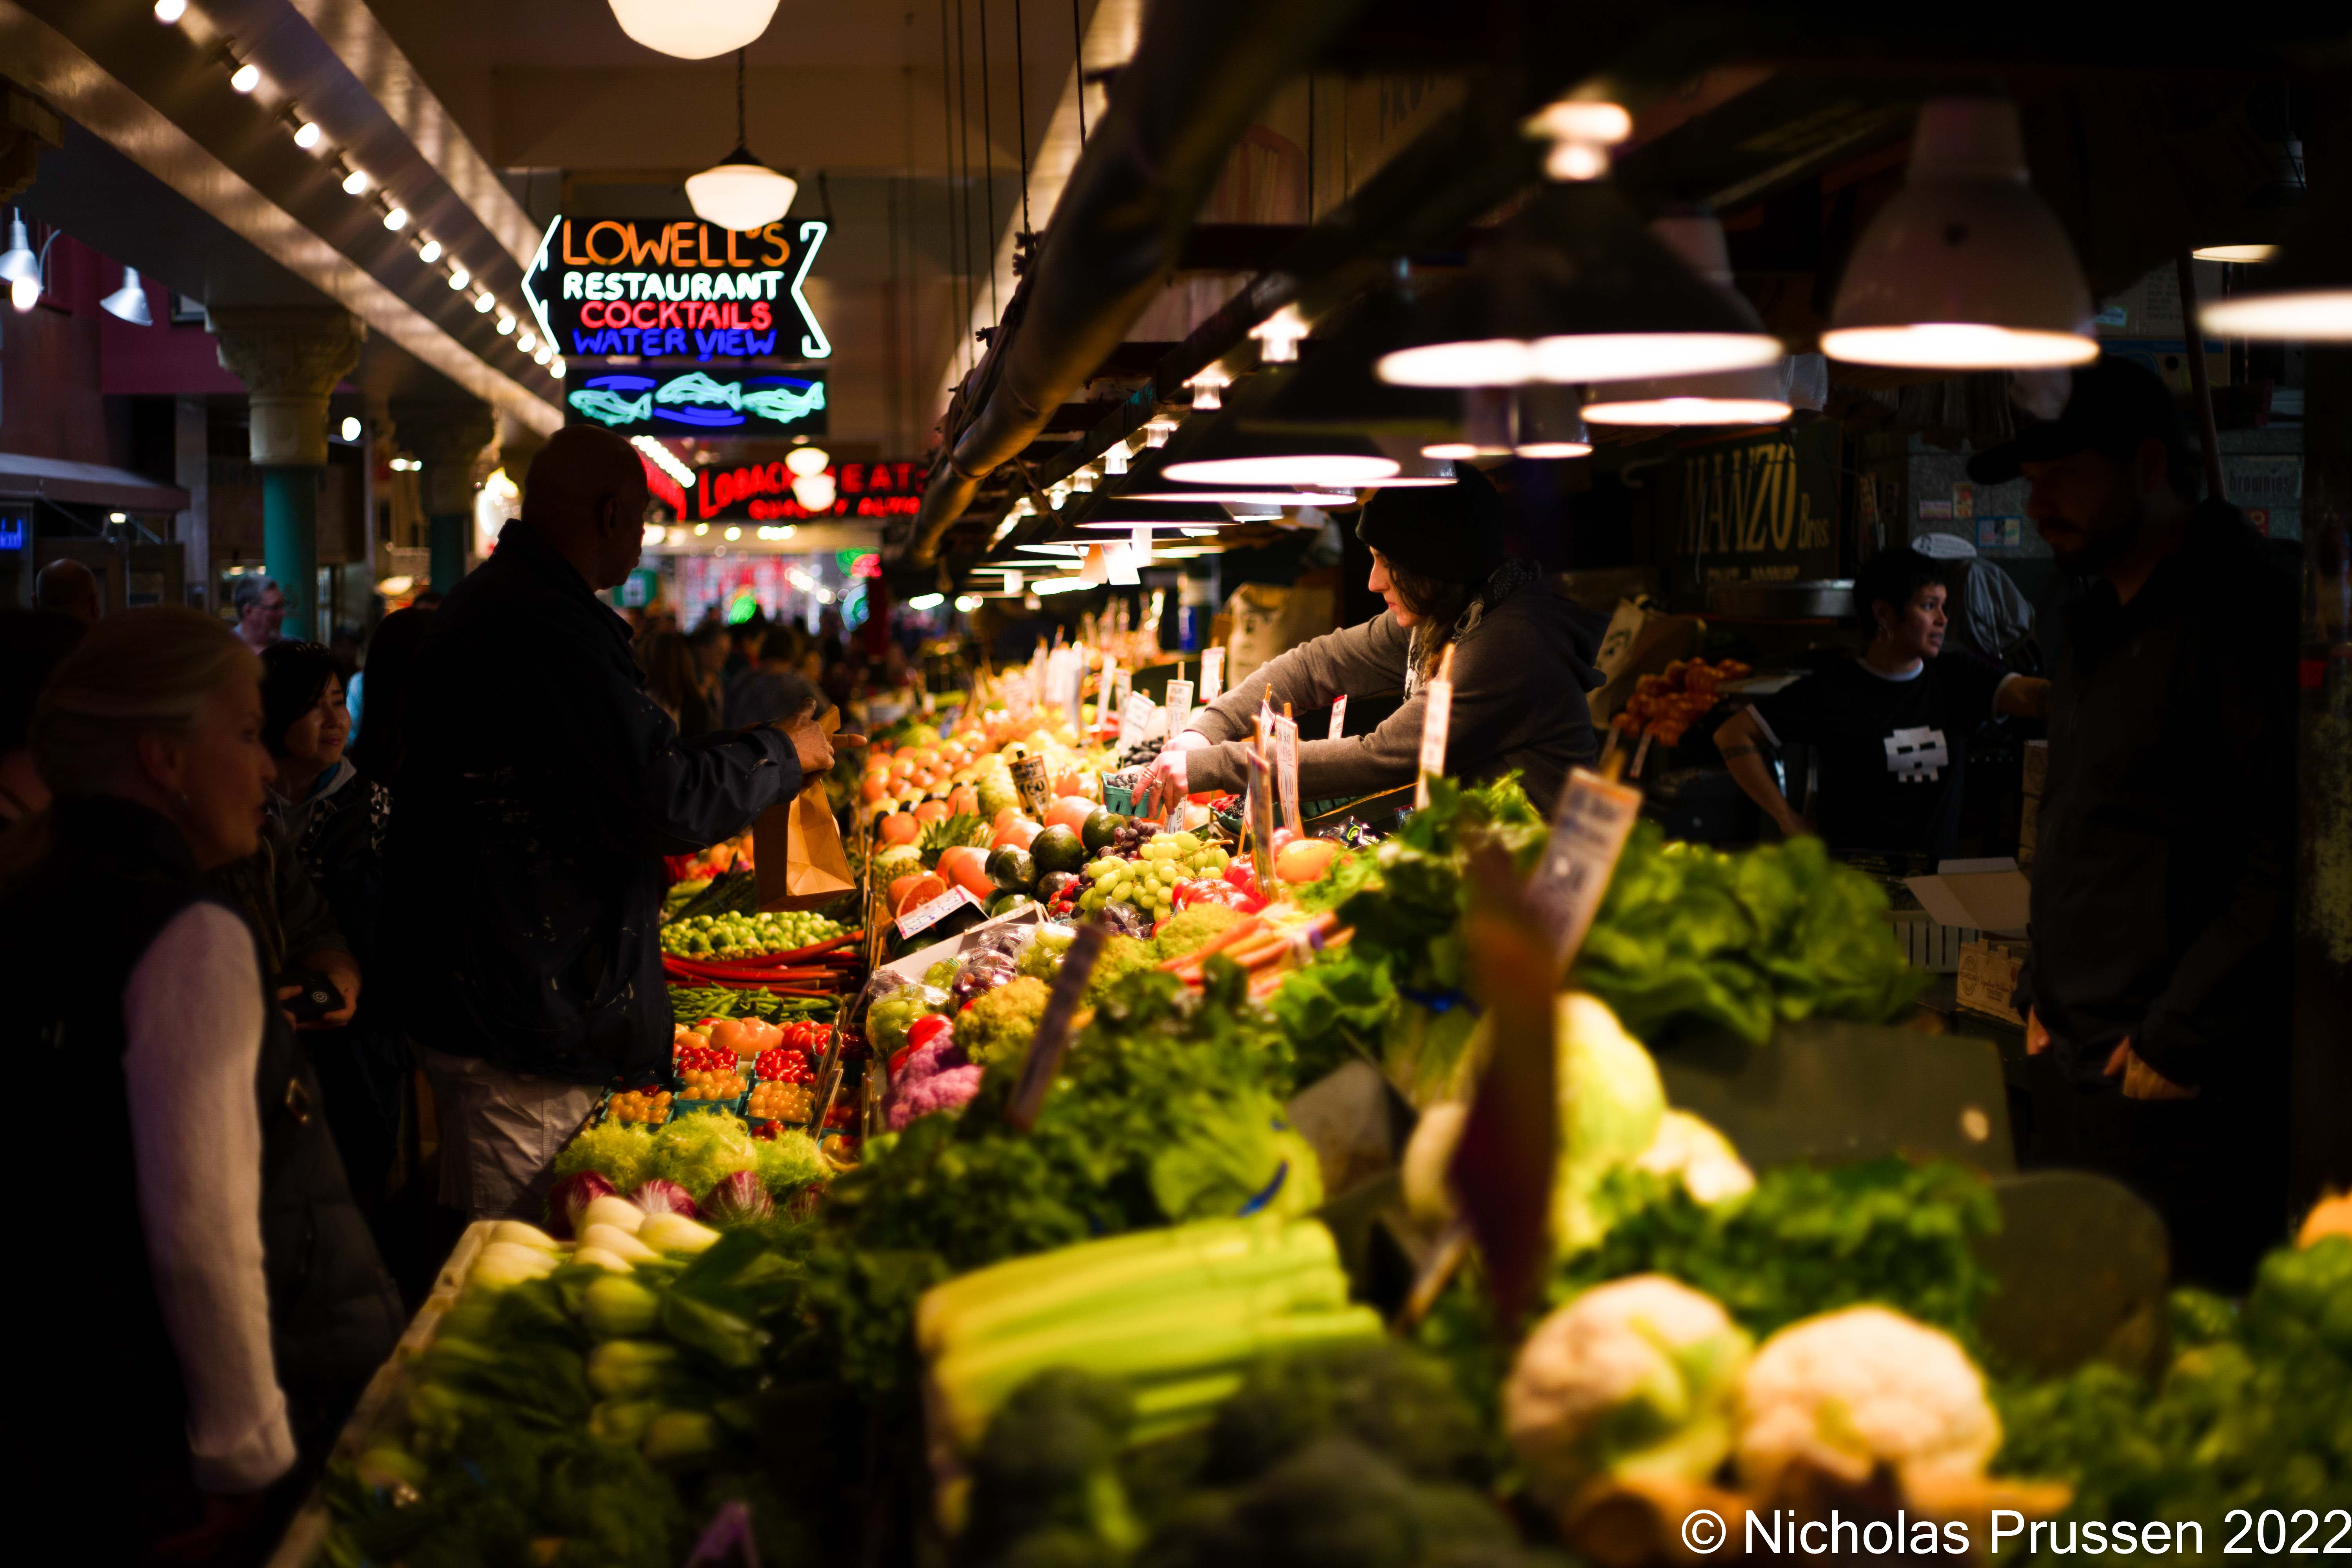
(2037, 767)
(2029, 825)
(1989, 972)
(1988, 896)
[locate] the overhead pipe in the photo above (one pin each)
(1202, 71)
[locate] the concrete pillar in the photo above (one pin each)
(192, 470)
(289, 361)
(447, 438)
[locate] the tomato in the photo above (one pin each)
(1241, 876)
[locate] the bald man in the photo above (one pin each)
(541, 789)
(70, 587)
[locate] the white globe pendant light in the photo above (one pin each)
(694, 29)
(740, 192)
(1965, 267)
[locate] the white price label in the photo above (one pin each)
(1434, 718)
(1103, 700)
(1179, 707)
(1213, 675)
(1285, 770)
(1338, 719)
(1588, 830)
(1135, 719)
(924, 916)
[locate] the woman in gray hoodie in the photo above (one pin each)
(1522, 663)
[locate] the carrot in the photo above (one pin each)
(1248, 925)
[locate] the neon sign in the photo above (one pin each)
(763, 492)
(700, 403)
(676, 289)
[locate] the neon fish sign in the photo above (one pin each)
(700, 403)
(676, 289)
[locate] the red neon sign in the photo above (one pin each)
(763, 492)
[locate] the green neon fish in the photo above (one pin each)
(696, 387)
(783, 404)
(610, 408)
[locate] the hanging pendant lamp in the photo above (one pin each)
(1965, 267)
(740, 192)
(694, 29)
(129, 303)
(1232, 452)
(1756, 395)
(2304, 294)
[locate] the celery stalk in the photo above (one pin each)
(1175, 1247)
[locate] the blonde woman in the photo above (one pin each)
(225, 1266)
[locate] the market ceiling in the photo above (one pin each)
(481, 122)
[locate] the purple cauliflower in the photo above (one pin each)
(938, 1057)
(947, 1091)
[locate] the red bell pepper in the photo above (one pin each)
(926, 1029)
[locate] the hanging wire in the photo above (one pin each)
(947, 164)
(1310, 146)
(963, 230)
(740, 140)
(1079, 53)
(988, 170)
(1021, 110)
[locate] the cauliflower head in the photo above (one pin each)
(1689, 1147)
(1633, 1378)
(1850, 1390)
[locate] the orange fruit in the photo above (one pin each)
(963, 801)
(967, 866)
(930, 811)
(900, 828)
(1069, 811)
(910, 893)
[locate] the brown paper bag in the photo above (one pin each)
(796, 853)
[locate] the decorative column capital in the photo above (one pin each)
(289, 361)
(447, 438)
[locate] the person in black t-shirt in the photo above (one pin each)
(1891, 726)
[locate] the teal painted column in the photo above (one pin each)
(289, 361)
(447, 440)
(289, 543)
(447, 538)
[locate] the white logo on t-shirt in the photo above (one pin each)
(1917, 756)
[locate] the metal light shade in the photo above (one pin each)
(741, 193)
(1416, 470)
(1116, 514)
(1756, 395)
(19, 264)
(1550, 425)
(1336, 387)
(2306, 294)
(1231, 453)
(128, 302)
(1574, 290)
(1965, 268)
(694, 29)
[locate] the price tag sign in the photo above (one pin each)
(1434, 718)
(1213, 675)
(1103, 700)
(1179, 707)
(1135, 719)
(923, 917)
(1261, 812)
(1053, 1037)
(1029, 779)
(1285, 770)
(1037, 677)
(1588, 830)
(1120, 686)
(931, 703)
(1338, 719)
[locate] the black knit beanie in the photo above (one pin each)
(1452, 532)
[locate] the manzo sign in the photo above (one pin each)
(663, 287)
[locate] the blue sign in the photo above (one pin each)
(700, 403)
(12, 533)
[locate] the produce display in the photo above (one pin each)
(1135, 1334)
(748, 935)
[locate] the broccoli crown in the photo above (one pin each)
(1332, 1504)
(1000, 1023)
(1391, 1398)
(1121, 956)
(1045, 1483)
(1187, 930)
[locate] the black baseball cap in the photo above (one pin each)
(2113, 407)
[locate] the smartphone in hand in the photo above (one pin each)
(315, 998)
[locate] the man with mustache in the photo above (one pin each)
(2162, 875)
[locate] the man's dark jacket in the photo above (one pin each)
(2163, 865)
(541, 790)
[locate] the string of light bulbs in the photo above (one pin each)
(245, 77)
